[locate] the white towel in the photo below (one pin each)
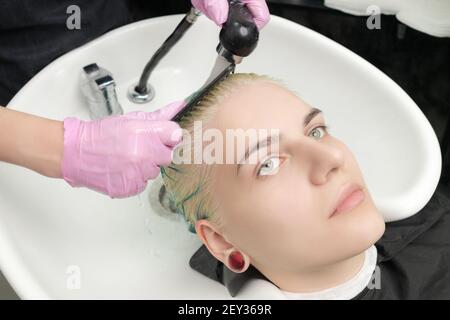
(260, 289)
(429, 16)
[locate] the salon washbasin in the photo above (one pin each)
(59, 242)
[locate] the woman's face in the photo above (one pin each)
(278, 211)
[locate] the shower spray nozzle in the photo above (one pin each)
(239, 35)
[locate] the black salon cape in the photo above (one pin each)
(413, 257)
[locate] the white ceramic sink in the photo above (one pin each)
(59, 242)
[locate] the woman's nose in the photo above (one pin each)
(324, 161)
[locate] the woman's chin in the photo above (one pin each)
(370, 228)
(360, 228)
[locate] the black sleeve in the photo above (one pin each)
(34, 33)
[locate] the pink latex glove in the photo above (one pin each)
(118, 154)
(217, 10)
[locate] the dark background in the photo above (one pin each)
(33, 33)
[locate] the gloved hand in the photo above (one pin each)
(217, 10)
(118, 154)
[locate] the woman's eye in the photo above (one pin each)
(317, 134)
(269, 167)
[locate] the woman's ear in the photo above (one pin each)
(220, 248)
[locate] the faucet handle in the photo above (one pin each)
(91, 69)
(99, 88)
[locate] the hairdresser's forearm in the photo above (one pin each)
(32, 142)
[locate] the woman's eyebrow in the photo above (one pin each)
(266, 142)
(314, 112)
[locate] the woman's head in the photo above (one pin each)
(276, 210)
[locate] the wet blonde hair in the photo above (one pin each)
(186, 185)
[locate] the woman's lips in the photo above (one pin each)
(350, 197)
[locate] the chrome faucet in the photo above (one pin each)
(99, 88)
